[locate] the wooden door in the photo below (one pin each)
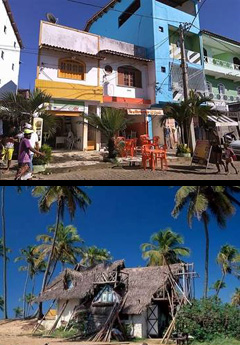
(152, 321)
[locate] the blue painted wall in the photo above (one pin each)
(144, 31)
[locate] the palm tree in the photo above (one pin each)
(165, 248)
(65, 250)
(236, 297)
(1, 303)
(18, 312)
(184, 112)
(94, 256)
(8, 250)
(65, 197)
(226, 258)
(4, 252)
(218, 285)
(201, 202)
(35, 264)
(17, 108)
(29, 298)
(110, 123)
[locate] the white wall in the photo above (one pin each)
(110, 82)
(49, 68)
(138, 324)
(68, 310)
(8, 77)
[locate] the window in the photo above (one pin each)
(163, 69)
(209, 87)
(129, 12)
(15, 44)
(160, 28)
(221, 89)
(71, 69)
(129, 76)
(2, 55)
(13, 66)
(205, 52)
(5, 29)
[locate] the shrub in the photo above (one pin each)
(183, 148)
(46, 159)
(207, 319)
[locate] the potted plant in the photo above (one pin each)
(183, 151)
(39, 163)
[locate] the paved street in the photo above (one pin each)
(107, 172)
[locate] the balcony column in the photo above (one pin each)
(98, 133)
(85, 130)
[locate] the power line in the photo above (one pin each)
(119, 11)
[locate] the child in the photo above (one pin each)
(230, 157)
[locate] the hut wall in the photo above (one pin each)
(68, 310)
(138, 324)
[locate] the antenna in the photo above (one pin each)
(51, 18)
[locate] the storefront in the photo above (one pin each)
(72, 128)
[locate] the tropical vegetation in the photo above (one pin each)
(165, 248)
(18, 312)
(111, 122)
(236, 297)
(204, 202)
(92, 256)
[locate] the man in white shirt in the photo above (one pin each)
(34, 144)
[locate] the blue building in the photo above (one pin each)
(154, 24)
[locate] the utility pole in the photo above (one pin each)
(184, 67)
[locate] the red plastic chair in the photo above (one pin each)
(146, 155)
(162, 156)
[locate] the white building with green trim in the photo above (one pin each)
(222, 69)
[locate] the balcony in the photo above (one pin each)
(221, 69)
(192, 57)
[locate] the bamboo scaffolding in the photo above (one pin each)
(58, 318)
(39, 323)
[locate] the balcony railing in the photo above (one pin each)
(192, 57)
(221, 63)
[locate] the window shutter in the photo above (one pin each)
(138, 79)
(120, 76)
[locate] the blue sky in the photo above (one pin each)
(119, 219)
(219, 16)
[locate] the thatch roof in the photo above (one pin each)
(82, 282)
(143, 283)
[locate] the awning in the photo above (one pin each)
(157, 112)
(222, 121)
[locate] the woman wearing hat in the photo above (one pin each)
(24, 154)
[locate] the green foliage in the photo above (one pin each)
(60, 333)
(236, 297)
(47, 150)
(208, 319)
(218, 285)
(18, 312)
(219, 341)
(165, 247)
(183, 148)
(93, 256)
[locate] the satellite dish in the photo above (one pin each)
(51, 18)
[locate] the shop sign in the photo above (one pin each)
(65, 107)
(202, 152)
(147, 112)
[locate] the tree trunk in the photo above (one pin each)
(219, 287)
(205, 222)
(111, 148)
(59, 209)
(5, 316)
(51, 274)
(24, 293)
(182, 134)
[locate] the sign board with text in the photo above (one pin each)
(202, 153)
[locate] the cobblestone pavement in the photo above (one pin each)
(176, 172)
(106, 171)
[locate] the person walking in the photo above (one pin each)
(230, 157)
(35, 144)
(24, 157)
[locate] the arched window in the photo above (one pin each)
(209, 87)
(71, 69)
(205, 52)
(236, 61)
(221, 89)
(129, 76)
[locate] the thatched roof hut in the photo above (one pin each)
(143, 283)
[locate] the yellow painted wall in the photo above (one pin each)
(70, 91)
